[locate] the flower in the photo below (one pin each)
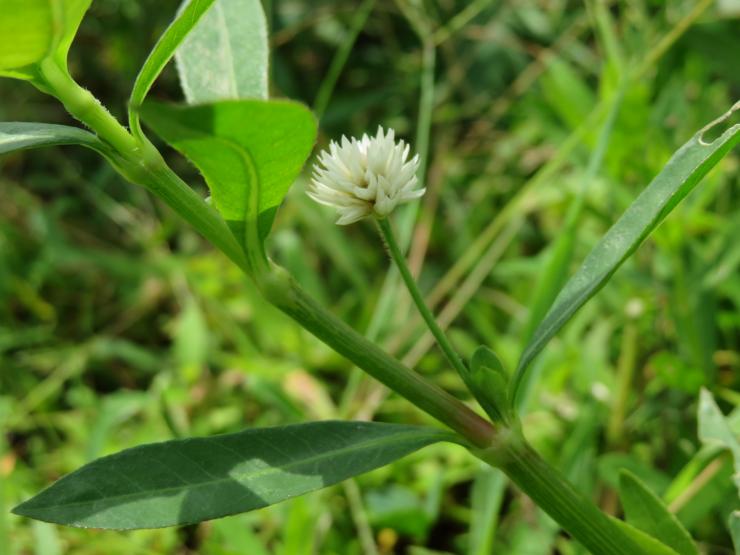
(366, 177)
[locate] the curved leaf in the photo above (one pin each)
(238, 144)
(648, 513)
(488, 382)
(32, 31)
(225, 56)
(71, 14)
(186, 19)
(191, 480)
(16, 135)
(680, 175)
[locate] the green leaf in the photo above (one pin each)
(188, 16)
(680, 175)
(486, 498)
(646, 542)
(648, 513)
(238, 145)
(488, 382)
(225, 56)
(32, 31)
(191, 480)
(715, 431)
(22, 135)
(557, 260)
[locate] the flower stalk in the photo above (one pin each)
(386, 231)
(283, 291)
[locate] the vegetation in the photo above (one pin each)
(538, 125)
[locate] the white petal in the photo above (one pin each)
(359, 177)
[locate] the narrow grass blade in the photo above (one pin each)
(191, 480)
(679, 176)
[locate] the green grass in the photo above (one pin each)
(119, 326)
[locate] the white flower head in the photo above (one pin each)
(366, 177)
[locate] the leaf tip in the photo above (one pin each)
(701, 135)
(26, 509)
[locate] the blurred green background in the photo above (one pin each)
(119, 326)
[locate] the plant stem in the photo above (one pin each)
(283, 291)
(141, 163)
(579, 516)
(81, 104)
(387, 233)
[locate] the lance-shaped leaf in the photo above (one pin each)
(679, 176)
(240, 146)
(225, 56)
(32, 31)
(191, 480)
(648, 513)
(16, 135)
(187, 17)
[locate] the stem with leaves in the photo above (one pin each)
(139, 162)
